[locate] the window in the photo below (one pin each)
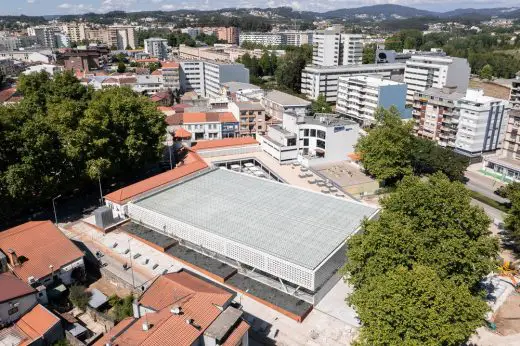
(12, 310)
(313, 133)
(291, 142)
(306, 132)
(306, 142)
(321, 134)
(320, 144)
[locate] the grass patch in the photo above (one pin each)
(490, 201)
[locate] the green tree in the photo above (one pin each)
(121, 308)
(79, 297)
(385, 151)
(414, 306)
(512, 220)
(289, 71)
(486, 72)
(121, 67)
(369, 53)
(321, 105)
(429, 222)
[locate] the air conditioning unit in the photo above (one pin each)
(31, 280)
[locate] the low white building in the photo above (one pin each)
(149, 84)
(482, 123)
(311, 140)
(263, 38)
(360, 96)
(28, 56)
(276, 103)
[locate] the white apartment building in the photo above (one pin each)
(318, 80)
(297, 38)
(360, 96)
(170, 73)
(424, 72)
(482, 123)
(157, 47)
(263, 38)
(149, 84)
(122, 36)
(327, 48)
(515, 92)
(206, 78)
(311, 140)
(192, 76)
(75, 31)
(352, 49)
(193, 32)
(45, 35)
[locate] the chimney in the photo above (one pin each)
(145, 326)
(176, 310)
(13, 258)
(136, 308)
(189, 321)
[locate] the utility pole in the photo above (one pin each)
(170, 150)
(131, 263)
(100, 190)
(54, 208)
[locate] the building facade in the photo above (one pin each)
(311, 140)
(317, 80)
(170, 73)
(228, 34)
(424, 72)
(515, 92)
(327, 47)
(251, 116)
(263, 38)
(276, 103)
(45, 35)
(75, 31)
(360, 96)
(352, 49)
(157, 47)
(482, 123)
(436, 116)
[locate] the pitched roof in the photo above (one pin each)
(198, 300)
(181, 106)
(165, 109)
(285, 99)
(192, 163)
(227, 117)
(157, 73)
(174, 119)
(148, 60)
(250, 106)
(194, 117)
(42, 244)
(6, 94)
(182, 133)
(226, 142)
(37, 322)
(169, 64)
(13, 287)
(236, 335)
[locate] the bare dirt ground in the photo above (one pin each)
(108, 289)
(490, 89)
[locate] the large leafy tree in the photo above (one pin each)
(385, 151)
(321, 105)
(512, 220)
(414, 306)
(429, 222)
(63, 134)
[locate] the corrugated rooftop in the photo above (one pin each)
(297, 225)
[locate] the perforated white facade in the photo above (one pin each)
(287, 232)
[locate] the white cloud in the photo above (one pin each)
(116, 5)
(65, 6)
(168, 7)
(76, 8)
(157, 1)
(31, 1)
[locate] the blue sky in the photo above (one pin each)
(46, 7)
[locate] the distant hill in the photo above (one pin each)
(387, 10)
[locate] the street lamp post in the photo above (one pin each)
(131, 263)
(54, 208)
(100, 190)
(170, 150)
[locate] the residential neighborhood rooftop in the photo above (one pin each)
(225, 142)
(37, 245)
(13, 287)
(285, 99)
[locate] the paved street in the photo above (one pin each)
(483, 184)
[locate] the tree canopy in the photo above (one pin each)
(390, 151)
(63, 134)
(416, 307)
(416, 269)
(426, 221)
(321, 105)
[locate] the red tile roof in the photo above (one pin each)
(235, 338)
(226, 142)
(227, 117)
(198, 300)
(157, 73)
(181, 106)
(192, 163)
(164, 109)
(182, 133)
(13, 287)
(197, 117)
(6, 94)
(169, 64)
(42, 244)
(37, 322)
(174, 119)
(148, 60)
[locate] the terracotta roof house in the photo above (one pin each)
(9, 96)
(38, 327)
(37, 252)
(16, 298)
(117, 200)
(181, 309)
(224, 143)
